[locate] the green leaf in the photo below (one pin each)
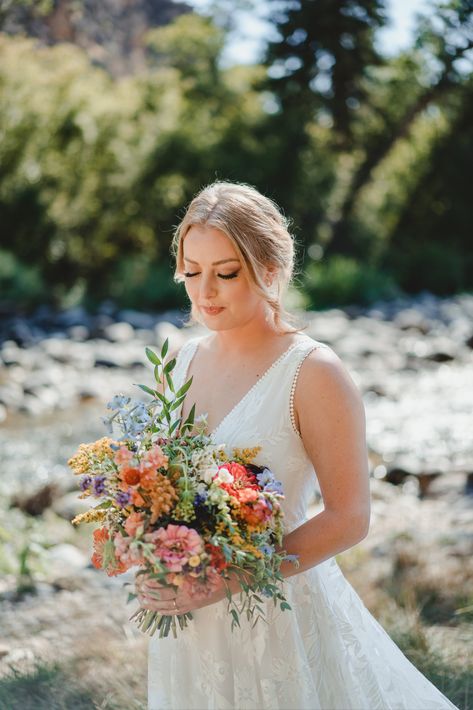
(235, 617)
(152, 357)
(170, 382)
(169, 366)
(177, 403)
(284, 605)
(175, 425)
(165, 347)
(190, 419)
(103, 504)
(148, 390)
(157, 375)
(182, 390)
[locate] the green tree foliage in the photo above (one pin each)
(94, 170)
(369, 157)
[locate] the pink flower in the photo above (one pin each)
(198, 587)
(127, 555)
(123, 456)
(154, 458)
(175, 545)
(132, 523)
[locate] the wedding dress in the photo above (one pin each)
(328, 652)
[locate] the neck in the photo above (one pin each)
(247, 338)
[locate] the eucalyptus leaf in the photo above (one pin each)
(152, 357)
(148, 390)
(169, 366)
(165, 348)
(169, 381)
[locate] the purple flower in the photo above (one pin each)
(99, 485)
(123, 498)
(85, 483)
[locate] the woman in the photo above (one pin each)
(263, 382)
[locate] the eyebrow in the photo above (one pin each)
(222, 261)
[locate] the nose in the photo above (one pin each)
(208, 287)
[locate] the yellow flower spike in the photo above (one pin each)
(90, 516)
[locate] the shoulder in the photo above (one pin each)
(324, 384)
(179, 349)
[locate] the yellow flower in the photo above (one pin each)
(88, 454)
(194, 560)
(90, 516)
(246, 455)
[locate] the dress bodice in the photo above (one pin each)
(264, 417)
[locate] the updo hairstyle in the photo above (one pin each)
(259, 232)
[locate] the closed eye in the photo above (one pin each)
(222, 276)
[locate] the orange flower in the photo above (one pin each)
(137, 499)
(101, 537)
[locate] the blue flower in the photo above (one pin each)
(201, 498)
(266, 476)
(119, 401)
(267, 549)
(274, 487)
(290, 558)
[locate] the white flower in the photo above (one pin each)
(224, 476)
(208, 473)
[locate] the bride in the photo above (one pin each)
(263, 382)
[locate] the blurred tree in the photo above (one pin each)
(444, 44)
(431, 245)
(315, 70)
(93, 171)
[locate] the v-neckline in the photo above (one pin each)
(247, 394)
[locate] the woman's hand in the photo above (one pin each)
(171, 601)
(154, 596)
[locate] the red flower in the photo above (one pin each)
(131, 476)
(217, 557)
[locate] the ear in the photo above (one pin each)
(270, 274)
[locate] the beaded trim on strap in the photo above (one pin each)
(294, 384)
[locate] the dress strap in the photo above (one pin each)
(183, 359)
(302, 353)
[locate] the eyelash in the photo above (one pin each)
(222, 276)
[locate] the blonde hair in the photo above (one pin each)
(259, 232)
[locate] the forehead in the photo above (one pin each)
(204, 242)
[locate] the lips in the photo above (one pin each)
(213, 310)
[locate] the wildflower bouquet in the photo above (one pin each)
(177, 506)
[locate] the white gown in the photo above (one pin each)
(328, 652)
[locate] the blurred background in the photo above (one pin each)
(356, 116)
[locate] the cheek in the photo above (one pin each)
(191, 289)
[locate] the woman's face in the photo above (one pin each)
(214, 277)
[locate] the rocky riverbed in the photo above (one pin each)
(411, 358)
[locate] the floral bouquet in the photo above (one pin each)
(174, 504)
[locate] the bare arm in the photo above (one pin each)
(331, 419)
